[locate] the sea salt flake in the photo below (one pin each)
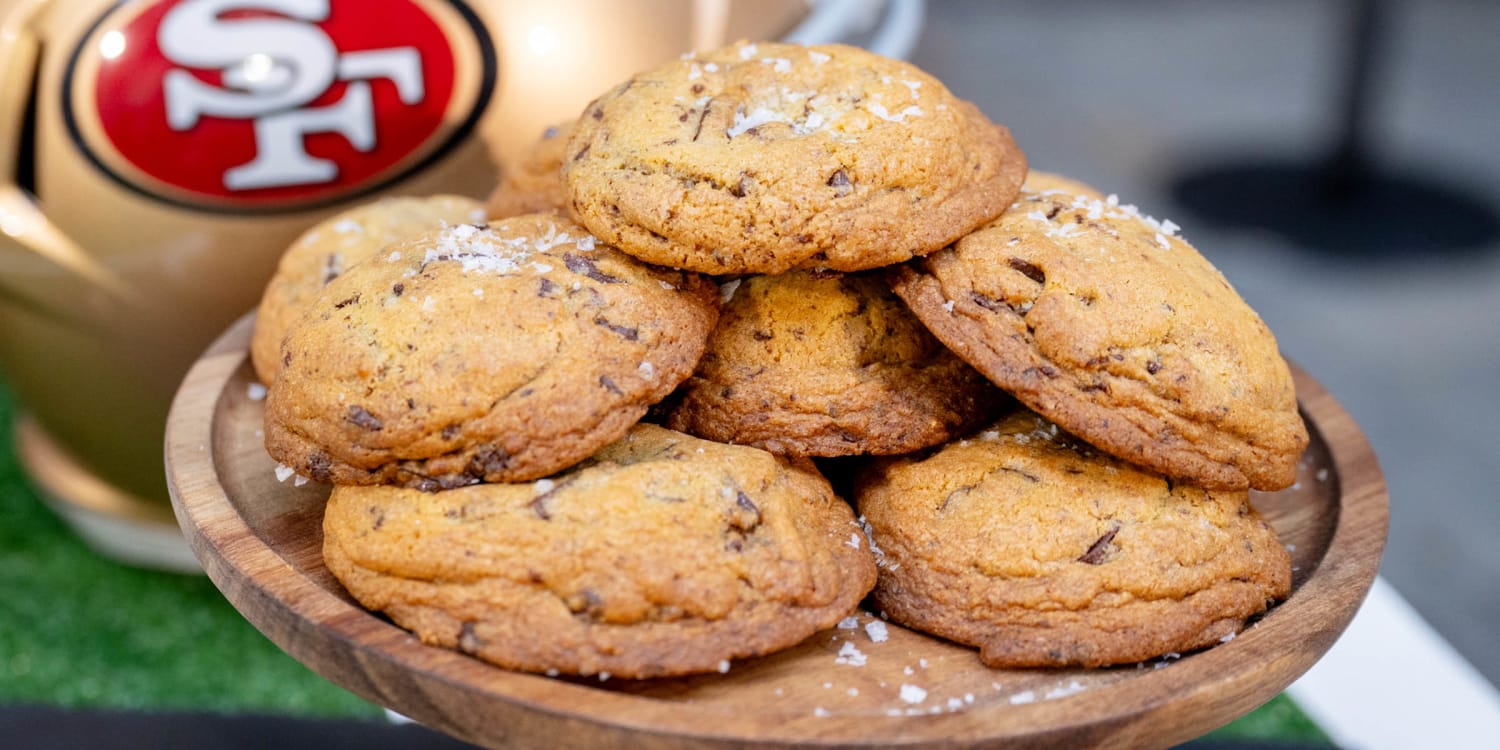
(543, 486)
(853, 540)
(954, 704)
(754, 119)
(711, 67)
(877, 631)
(585, 243)
(907, 670)
(818, 57)
(723, 666)
(695, 72)
(778, 64)
(827, 686)
(647, 371)
(922, 663)
(748, 51)
(428, 303)
(393, 257)
(1063, 691)
(852, 692)
(1161, 239)
(1038, 216)
(347, 226)
(299, 480)
(913, 694)
(1322, 475)
(820, 711)
(948, 306)
(666, 285)
(1025, 696)
(478, 292)
(1227, 637)
(603, 676)
(851, 655)
(255, 392)
(849, 623)
(284, 472)
(727, 289)
(552, 673)
(1169, 228)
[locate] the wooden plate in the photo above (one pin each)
(260, 541)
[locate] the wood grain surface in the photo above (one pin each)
(260, 542)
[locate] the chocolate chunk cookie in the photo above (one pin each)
(1106, 322)
(759, 158)
(1024, 542)
(534, 184)
(334, 244)
(661, 555)
(828, 364)
(492, 353)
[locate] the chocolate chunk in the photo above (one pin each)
(624, 332)
(1099, 550)
(341, 304)
(1028, 270)
(585, 266)
(363, 418)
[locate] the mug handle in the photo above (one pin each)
(22, 223)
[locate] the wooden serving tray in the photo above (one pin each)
(260, 542)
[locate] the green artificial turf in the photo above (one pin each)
(79, 630)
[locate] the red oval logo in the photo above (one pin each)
(275, 104)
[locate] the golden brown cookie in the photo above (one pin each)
(828, 364)
(534, 184)
(482, 353)
(1026, 543)
(758, 158)
(321, 253)
(1106, 322)
(662, 555)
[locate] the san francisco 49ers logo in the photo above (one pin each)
(275, 104)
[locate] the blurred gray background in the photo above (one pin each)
(1391, 301)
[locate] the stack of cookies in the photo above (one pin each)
(589, 434)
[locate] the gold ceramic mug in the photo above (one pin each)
(156, 156)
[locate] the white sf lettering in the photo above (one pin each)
(272, 68)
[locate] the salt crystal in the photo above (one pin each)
(1037, 216)
(255, 392)
(585, 242)
(853, 540)
(695, 72)
(748, 51)
(393, 257)
(913, 694)
(1063, 691)
(827, 685)
(968, 697)
(477, 214)
(647, 371)
(711, 67)
(727, 290)
(1227, 637)
(552, 673)
(284, 472)
(954, 704)
(603, 676)
(666, 285)
(541, 267)
(723, 666)
(778, 64)
(922, 663)
(1025, 696)
(757, 117)
(818, 57)
(877, 631)
(852, 691)
(478, 292)
(1169, 227)
(1161, 239)
(948, 306)
(299, 480)
(1322, 475)
(879, 110)
(851, 655)
(543, 486)
(908, 670)
(347, 227)
(849, 623)
(820, 711)
(428, 304)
